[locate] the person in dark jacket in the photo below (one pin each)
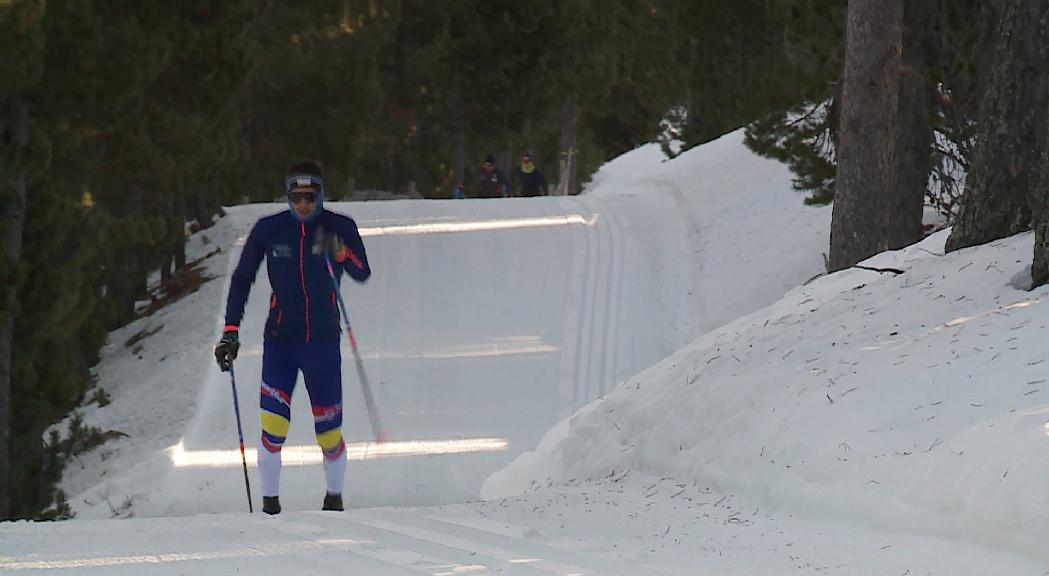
(492, 182)
(527, 179)
(302, 330)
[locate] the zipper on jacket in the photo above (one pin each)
(302, 277)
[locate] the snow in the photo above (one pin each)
(680, 395)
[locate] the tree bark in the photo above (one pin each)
(200, 211)
(1004, 171)
(167, 247)
(1038, 196)
(165, 269)
(1040, 260)
(17, 127)
(566, 184)
(178, 232)
(914, 139)
(866, 176)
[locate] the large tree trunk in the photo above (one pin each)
(866, 176)
(1040, 262)
(1003, 176)
(178, 233)
(175, 238)
(168, 243)
(1039, 193)
(17, 129)
(200, 210)
(126, 282)
(914, 137)
(566, 184)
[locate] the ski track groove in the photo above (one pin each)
(572, 317)
(590, 562)
(582, 356)
(609, 374)
(600, 321)
(381, 559)
(428, 550)
(626, 301)
(696, 239)
(553, 559)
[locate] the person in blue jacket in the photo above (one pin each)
(527, 179)
(302, 330)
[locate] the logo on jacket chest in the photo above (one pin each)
(280, 251)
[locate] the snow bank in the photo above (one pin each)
(917, 400)
(753, 236)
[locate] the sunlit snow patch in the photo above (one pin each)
(476, 225)
(311, 454)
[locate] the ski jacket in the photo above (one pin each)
(303, 305)
(492, 183)
(531, 183)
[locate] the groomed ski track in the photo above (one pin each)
(483, 319)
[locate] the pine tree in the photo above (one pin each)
(316, 92)
(1003, 190)
(796, 106)
(866, 176)
(21, 64)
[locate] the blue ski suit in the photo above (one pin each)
(302, 330)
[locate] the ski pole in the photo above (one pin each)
(240, 434)
(369, 401)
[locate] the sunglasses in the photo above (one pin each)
(297, 197)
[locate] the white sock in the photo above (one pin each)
(335, 473)
(269, 471)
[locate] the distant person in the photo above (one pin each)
(460, 191)
(302, 331)
(492, 183)
(527, 179)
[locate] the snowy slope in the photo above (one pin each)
(836, 431)
(915, 402)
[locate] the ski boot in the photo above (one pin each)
(332, 502)
(271, 504)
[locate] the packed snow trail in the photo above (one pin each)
(618, 527)
(483, 320)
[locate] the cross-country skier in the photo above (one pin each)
(302, 330)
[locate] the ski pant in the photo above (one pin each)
(321, 367)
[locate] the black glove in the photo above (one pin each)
(226, 349)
